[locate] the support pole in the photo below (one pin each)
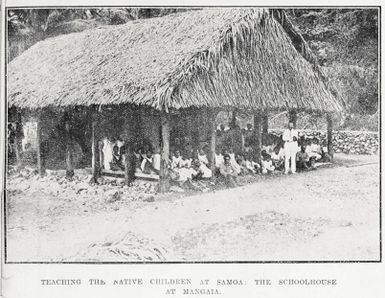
(233, 122)
(258, 135)
(129, 166)
(265, 123)
(165, 152)
(101, 155)
(293, 117)
(213, 134)
(95, 150)
(18, 139)
(69, 151)
(330, 135)
(39, 151)
(129, 156)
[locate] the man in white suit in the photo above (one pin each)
(290, 137)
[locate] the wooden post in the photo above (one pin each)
(233, 122)
(293, 117)
(40, 157)
(258, 136)
(69, 151)
(129, 165)
(18, 139)
(330, 135)
(129, 156)
(165, 152)
(213, 134)
(195, 133)
(101, 155)
(265, 122)
(95, 151)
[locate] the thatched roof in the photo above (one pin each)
(211, 57)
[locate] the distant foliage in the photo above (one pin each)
(28, 26)
(346, 44)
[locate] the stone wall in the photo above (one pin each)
(349, 142)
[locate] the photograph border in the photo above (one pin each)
(5, 40)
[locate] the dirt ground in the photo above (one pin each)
(329, 214)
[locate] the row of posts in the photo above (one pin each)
(260, 125)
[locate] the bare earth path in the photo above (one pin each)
(328, 214)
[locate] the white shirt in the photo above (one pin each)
(249, 165)
(279, 156)
(267, 164)
(234, 163)
(218, 159)
(119, 144)
(185, 163)
(316, 148)
(176, 161)
(289, 134)
(206, 172)
(107, 153)
(186, 173)
(144, 161)
(156, 161)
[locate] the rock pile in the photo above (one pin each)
(349, 142)
(76, 196)
(355, 142)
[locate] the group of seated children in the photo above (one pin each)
(273, 158)
(310, 152)
(146, 159)
(188, 166)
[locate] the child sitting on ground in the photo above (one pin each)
(184, 169)
(147, 164)
(228, 172)
(325, 157)
(202, 157)
(255, 164)
(183, 173)
(314, 149)
(202, 171)
(117, 161)
(250, 164)
(278, 158)
(242, 164)
(267, 164)
(176, 160)
(218, 158)
(233, 161)
(304, 161)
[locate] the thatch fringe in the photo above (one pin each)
(211, 57)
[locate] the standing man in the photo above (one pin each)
(290, 137)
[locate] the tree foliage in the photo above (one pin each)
(346, 44)
(28, 26)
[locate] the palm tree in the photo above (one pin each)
(28, 26)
